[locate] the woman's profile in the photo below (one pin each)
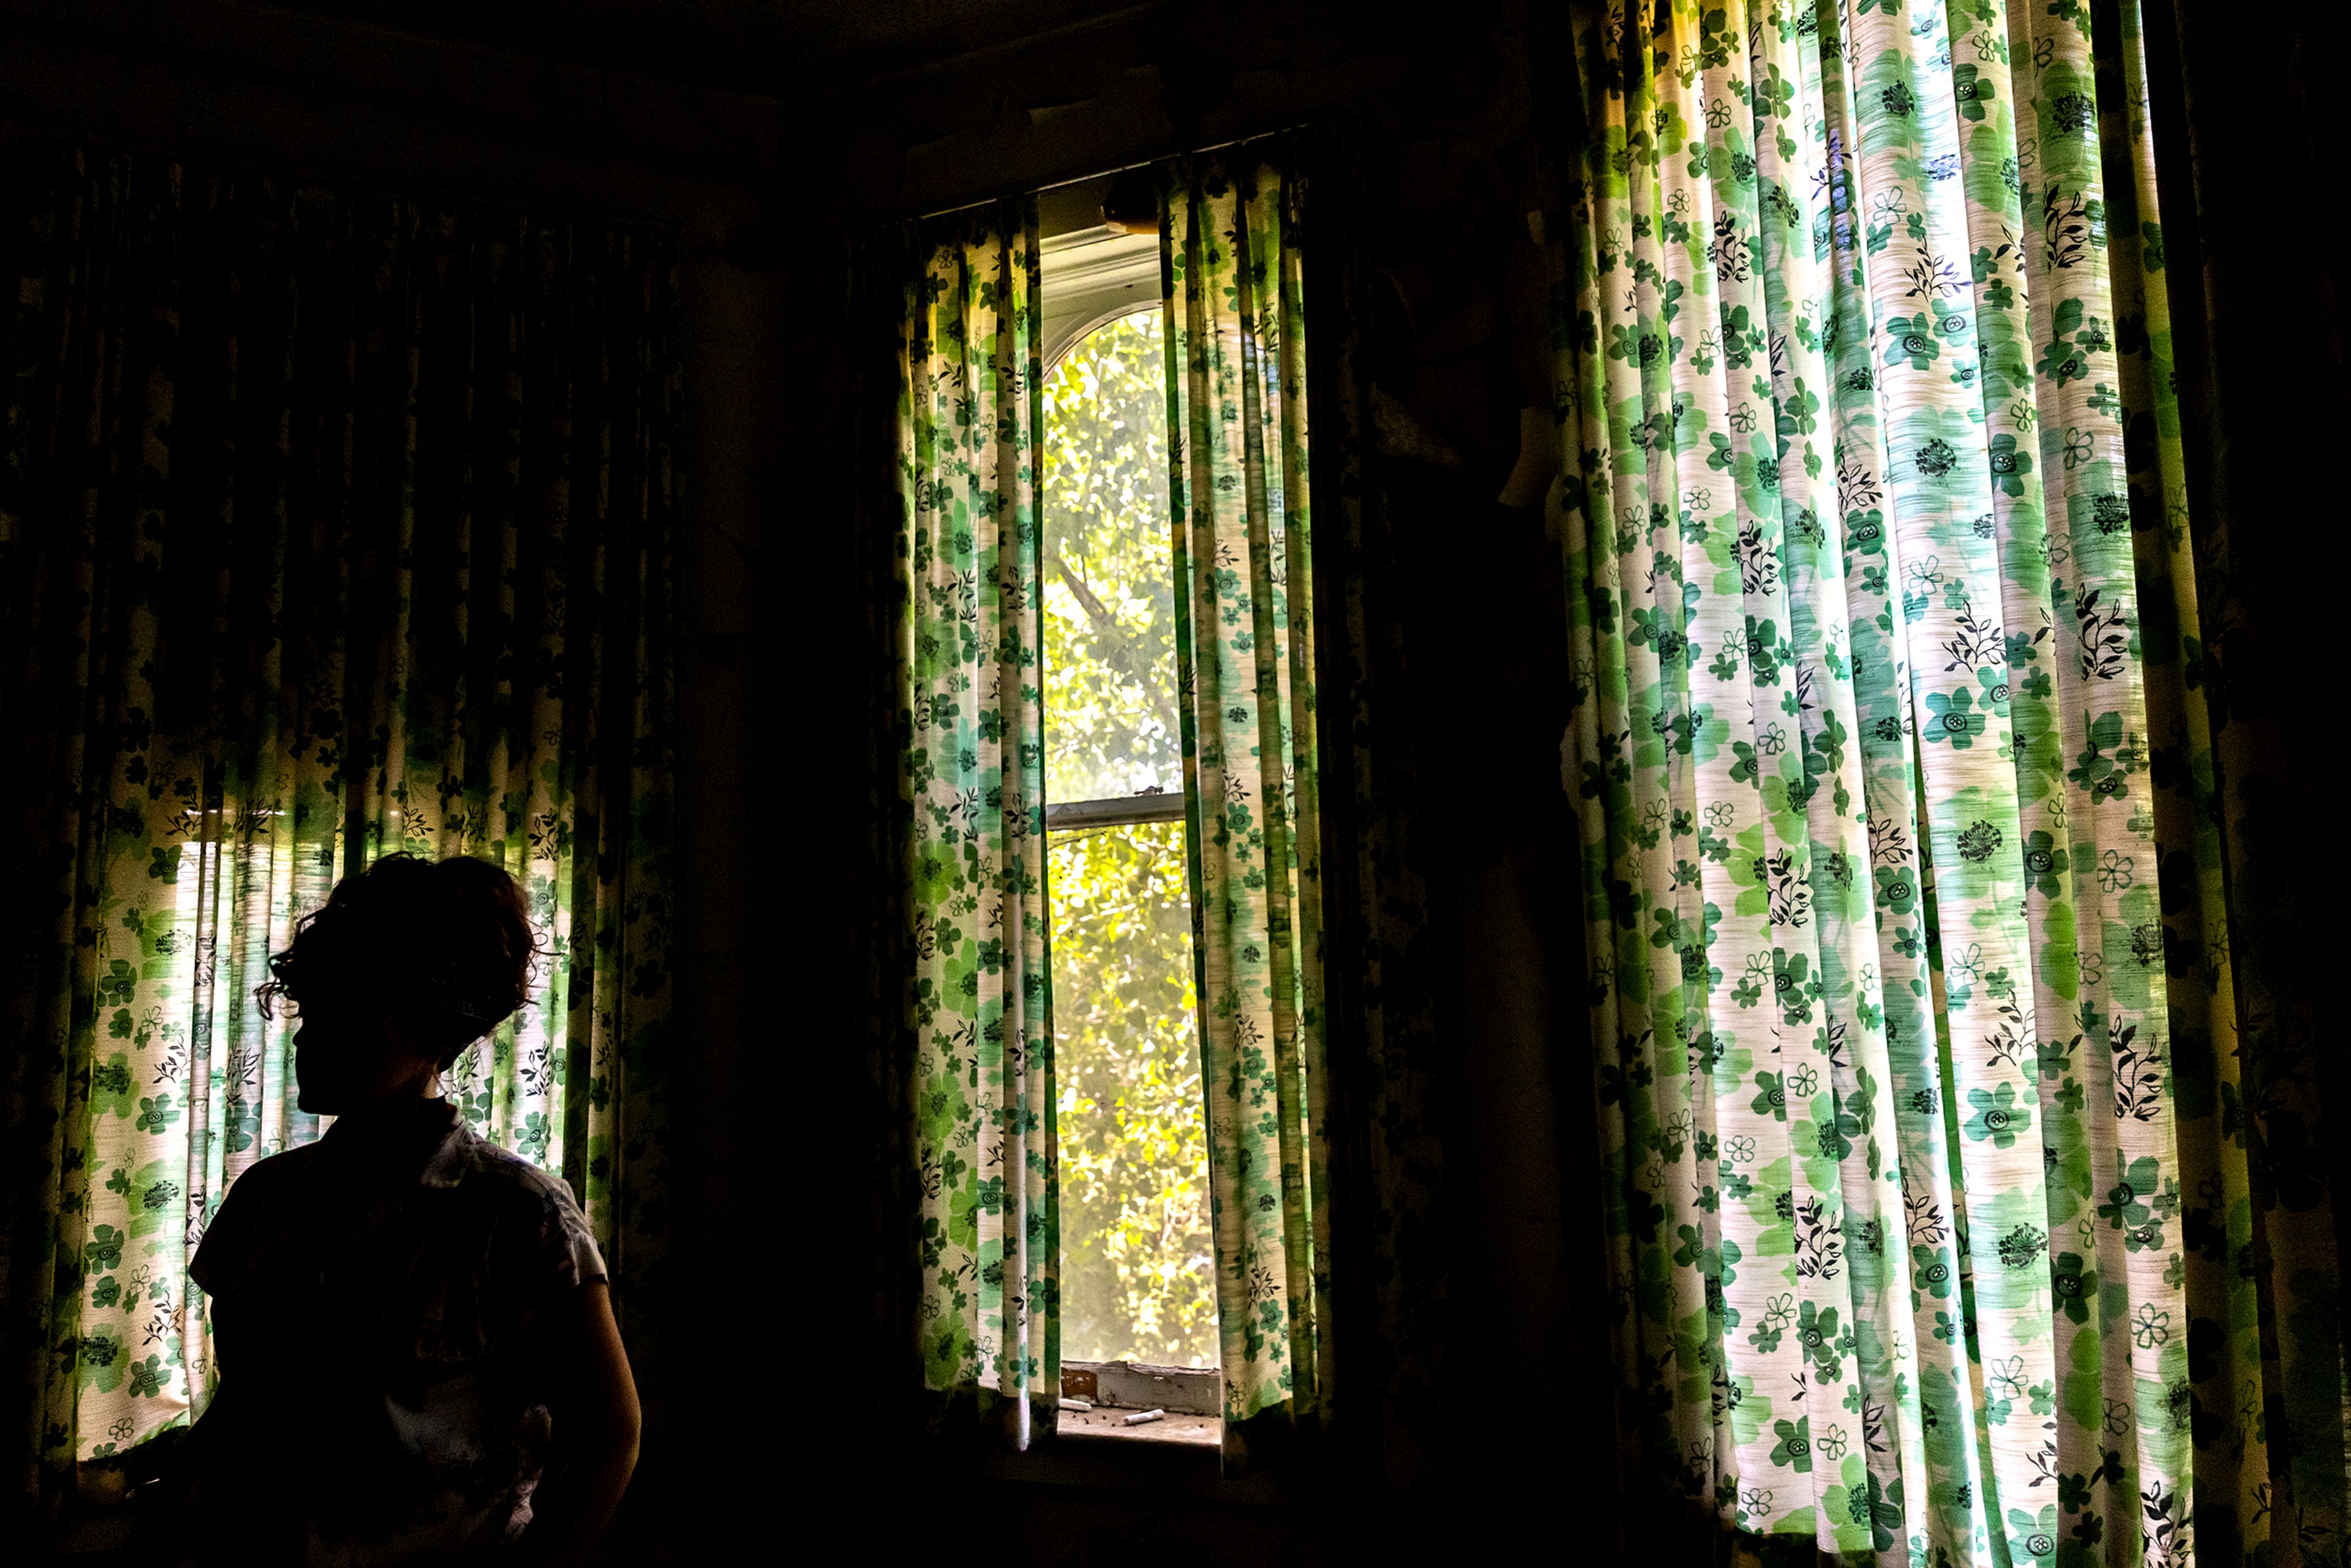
(409, 1321)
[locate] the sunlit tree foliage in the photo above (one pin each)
(1135, 1213)
(1109, 615)
(1135, 1219)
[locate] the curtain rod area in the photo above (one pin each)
(1112, 170)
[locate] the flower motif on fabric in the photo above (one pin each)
(1953, 720)
(2021, 1246)
(1998, 1117)
(2075, 113)
(1980, 840)
(1937, 458)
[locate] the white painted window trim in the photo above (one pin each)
(1138, 1385)
(1090, 277)
(1093, 276)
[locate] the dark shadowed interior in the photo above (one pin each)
(776, 142)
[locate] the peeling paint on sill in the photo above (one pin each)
(1191, 1395)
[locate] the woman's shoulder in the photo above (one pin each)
(488, 1167)
(534, 1205)
(287, 1171)
(253, 1207)
(496, 1177)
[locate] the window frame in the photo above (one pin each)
(1090, 277)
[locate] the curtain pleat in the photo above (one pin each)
(1232, 273)
(332, 526)
(1390, 1335)
(972, 804)
(2224, 405)
(1883, 616)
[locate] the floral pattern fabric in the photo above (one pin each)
(1852, 342)
(1232, 271)
(330, 525)
(971, 436)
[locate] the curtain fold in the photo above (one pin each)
(1392, 1314)
(1903, 883)
(971, 817)
(2243, 762)
(331, 525)
(1326, 1152)
(1232, 271)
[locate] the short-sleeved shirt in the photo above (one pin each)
(383, 1301)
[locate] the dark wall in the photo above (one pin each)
(245, 87)
(770, 197)
(1438, 115)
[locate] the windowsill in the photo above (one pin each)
(1108, 1424)
(1096, 1462)
(1100, 1400)
(1180, 1455)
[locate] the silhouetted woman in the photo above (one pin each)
(407, 1320)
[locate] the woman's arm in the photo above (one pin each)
(593, 1400)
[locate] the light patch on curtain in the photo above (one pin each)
(336, 527)
(1233, 269)
(1862, 752)
(971, 793)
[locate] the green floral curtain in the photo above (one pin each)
(1917, 1088)
(1231, 272)
(331, 526)
(969, 437)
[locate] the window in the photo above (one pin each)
(1136, 1282)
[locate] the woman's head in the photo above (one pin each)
(408, 963)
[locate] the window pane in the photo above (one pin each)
(1135, 1257)
(1110, 616)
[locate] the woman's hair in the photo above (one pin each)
(445, 944)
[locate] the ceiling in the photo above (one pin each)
(788, 48)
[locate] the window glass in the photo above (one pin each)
(1110, 618)
(1135, 1257)
(1137, 1281)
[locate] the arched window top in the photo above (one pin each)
(1090, 278)
(1109, 615)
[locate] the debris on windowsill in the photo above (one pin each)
(1108, 1424)
(1132, 1401)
